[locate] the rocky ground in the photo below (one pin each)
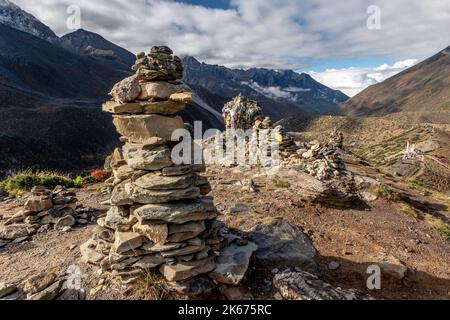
(347, 241)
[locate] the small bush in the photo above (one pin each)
(281, 184)
(411, 212)
(153, 287)
(80, 181)
(26, 180)
(442, 227)
(100, 175)
(388, 193)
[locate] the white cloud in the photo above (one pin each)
(271, 92)
(351, 81)
(254, 33)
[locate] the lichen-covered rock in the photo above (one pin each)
(126, 90)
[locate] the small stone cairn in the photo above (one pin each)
(322, 160)
(160, 217)
(44, 208)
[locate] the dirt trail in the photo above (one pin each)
(353, 238)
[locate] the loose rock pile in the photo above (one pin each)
(44, 209)
(42, 286)
(321, 160)
(160, 217)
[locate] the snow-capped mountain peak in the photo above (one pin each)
(13, 16)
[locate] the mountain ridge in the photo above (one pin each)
(423, 88)
(13, 16)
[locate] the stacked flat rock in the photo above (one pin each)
(44, 208)
(160, 217)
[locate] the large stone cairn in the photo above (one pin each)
(160, 217)
(243, 113)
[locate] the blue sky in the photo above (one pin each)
(329, 39)
(221, 4)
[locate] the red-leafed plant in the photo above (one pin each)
(100, 175)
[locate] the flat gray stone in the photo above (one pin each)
(141, 157)
(153, 181)
(177, 213)
(127, 241)
(282, 244)
(232, 263)
(187, 270)
(144, 196)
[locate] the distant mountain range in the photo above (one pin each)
(423, 88)
(51, 90)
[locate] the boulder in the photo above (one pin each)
(142, 157)
(6, 289)
(391, 266)
(126, 241)
(149, 129)
(232, 263)
(306, 286)
(39, 282)
(144, 196)
(66, 221)
(156, 233)
(186, 270)
(126, 90)
(282, 244)
(49, 293)
(154, 181)
(319, 192)
(36, 204)
(13, 232)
